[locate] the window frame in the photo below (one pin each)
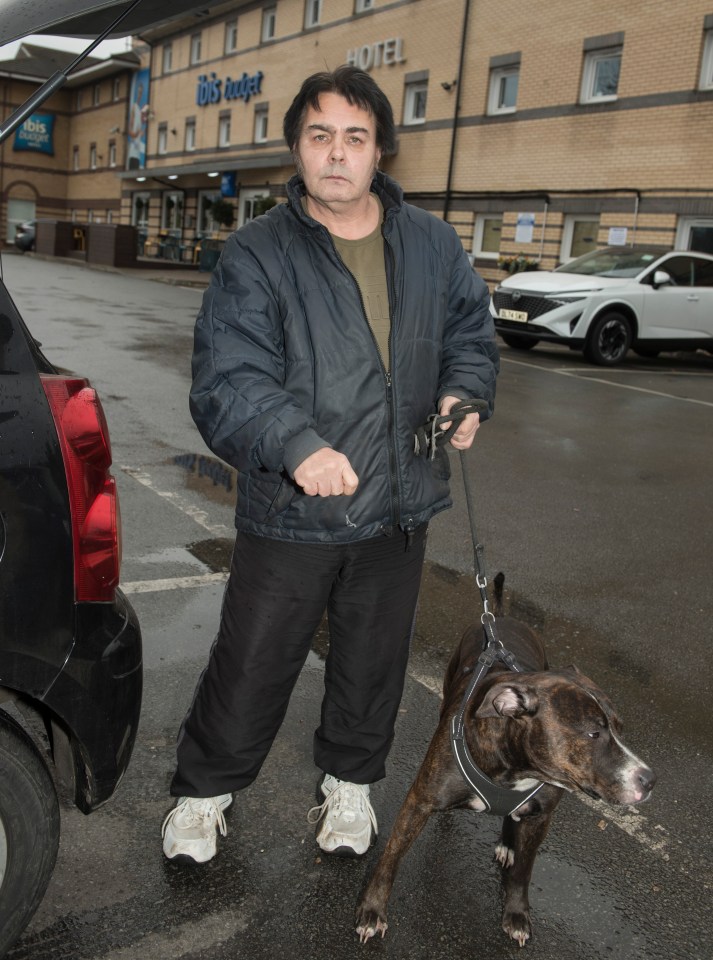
(96, 95)
(144, 198)
(75, 158)
(568, 228)
(116, 89)
(412, 89)
(313, 13)
(167, 215)
(196, 48)
(162, 139)
(497, 75)
(363, 6)
(112, 153)
(685, 226)
(93, 156)
(167, 57)
(705, 80)
(224, 123)
(589, 73)
(480, 220)
(189, 144)
(268, 25)
(230, 41)
(261, 117)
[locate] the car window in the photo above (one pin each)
(619, 262)
(704, 273)
(680, 269)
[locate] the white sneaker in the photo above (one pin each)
(189, 831)
(346, 822)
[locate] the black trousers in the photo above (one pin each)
(276, 595)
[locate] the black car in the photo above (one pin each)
(70, 643)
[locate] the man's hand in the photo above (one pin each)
(465, 434)
(326, 473)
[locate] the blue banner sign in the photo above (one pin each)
(228, 185)
(36, 134)
(211, 89)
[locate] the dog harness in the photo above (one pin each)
(499, 801)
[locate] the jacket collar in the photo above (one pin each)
(388, 191)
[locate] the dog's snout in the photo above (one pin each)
(647, 778)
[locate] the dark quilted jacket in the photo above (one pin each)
(285, 363)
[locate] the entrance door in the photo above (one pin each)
(247, 204)
(17, 212)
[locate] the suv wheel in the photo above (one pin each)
(518, 342)
(29, 829)
(609, 340)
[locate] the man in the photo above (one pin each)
(334, 325)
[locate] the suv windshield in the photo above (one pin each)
(612, 262)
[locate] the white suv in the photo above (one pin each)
(610, 300)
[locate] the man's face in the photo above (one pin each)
(336, 152)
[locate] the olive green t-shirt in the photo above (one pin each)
(364, 258)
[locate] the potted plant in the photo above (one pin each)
(222, 212)
(517, 264)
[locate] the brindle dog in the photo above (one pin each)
(557, 727)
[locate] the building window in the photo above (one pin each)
(112, 153)
(695, 233)
(167, 58)
(600, 77)
(313, 13)
(189, 141)
(361, 6)
(502, 95)
(75, 158)
(78, 100)
(707, 61)
(196, 44)
(415, 96)
(247, 204)
(96, 98)
(231, 36)
(486, 241)
(93, 156)
(579, 236)
(269, 18)
(116, 89)
(260, 131)
(172, 211)
(140, 209)
(206, 224)
(109, 216)
(224, 131)
(162, 138)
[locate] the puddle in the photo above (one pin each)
(208, 476)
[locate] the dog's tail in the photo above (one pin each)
(498, 583)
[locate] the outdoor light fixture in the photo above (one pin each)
(214, 174)
(140, 179)
(173, 176)
(448, 86)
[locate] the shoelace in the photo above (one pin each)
(346, 798)
(198, 809)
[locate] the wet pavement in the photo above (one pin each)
(593, 496)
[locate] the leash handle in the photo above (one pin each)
(430, 436)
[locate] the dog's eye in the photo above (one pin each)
(594, 734)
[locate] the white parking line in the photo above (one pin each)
(577, 374)
(200, 516)
(173, 583)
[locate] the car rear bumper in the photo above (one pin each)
(97, 697)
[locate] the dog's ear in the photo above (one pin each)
(508, 700)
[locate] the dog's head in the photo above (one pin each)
(564, 730)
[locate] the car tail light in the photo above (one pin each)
(93, 499)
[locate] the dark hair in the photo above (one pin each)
(357, 88)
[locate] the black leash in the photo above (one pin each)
(498, 800)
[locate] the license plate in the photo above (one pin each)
(513, 315)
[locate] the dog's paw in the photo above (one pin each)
(516, 925)
(504, 855)
(369, 923)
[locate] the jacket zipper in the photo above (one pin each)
(393, 460)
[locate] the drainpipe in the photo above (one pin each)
(459, 87)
